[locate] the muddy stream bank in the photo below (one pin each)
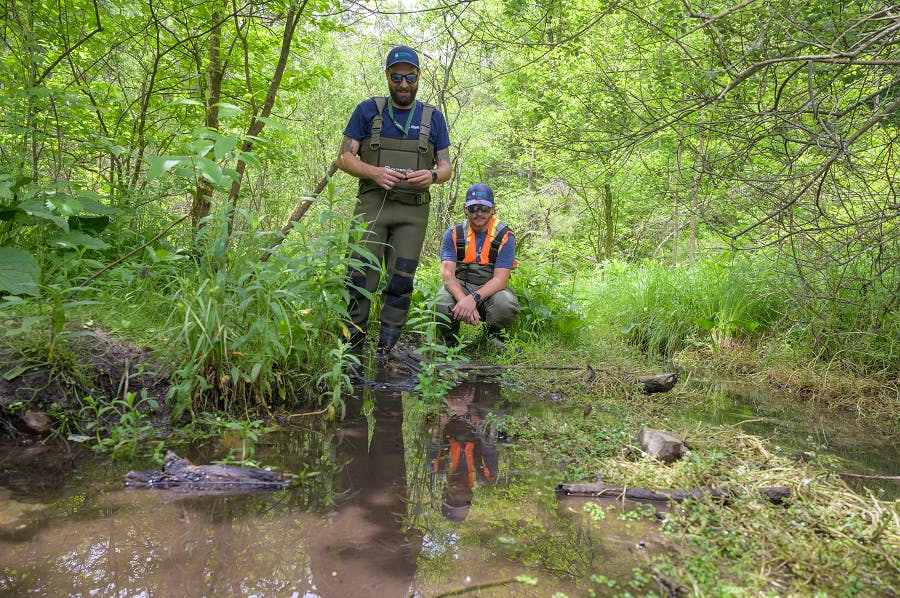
(397, 508)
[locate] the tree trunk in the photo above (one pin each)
(201, 204)
(608, 220)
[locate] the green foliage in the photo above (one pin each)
(662, 309)
(437, 375)
(336, 379)
(246, 430)
(115, 426)
(546, 294)
(249, 331)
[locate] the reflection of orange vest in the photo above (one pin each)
(467, 451)
(464, 241)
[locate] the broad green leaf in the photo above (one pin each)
(159, 165)
(35, 207)
(226, 109)
(164, 255)
(91, 203)
(186, 102)
(705, 323)
(88, 224)
(19, 272)
(14, 373)
(272, 123)
(224, 145)
(27, 324)
(65, 205)
(74, 239)
(210, 171)
(249, 158)
(200, 147)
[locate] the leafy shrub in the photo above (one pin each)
(247, 331)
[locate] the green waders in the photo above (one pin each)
(395, 235)
(397, 221)
(497, 311)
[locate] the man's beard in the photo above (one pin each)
(395, 96)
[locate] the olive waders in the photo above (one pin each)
(396, 223)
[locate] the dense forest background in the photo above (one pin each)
(719, 170)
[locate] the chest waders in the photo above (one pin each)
(396, 224)
(473, 270)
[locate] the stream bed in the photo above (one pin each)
(390, 503)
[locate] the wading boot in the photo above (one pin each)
(387, 338)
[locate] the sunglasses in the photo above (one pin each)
(478, 208)
(397, 78)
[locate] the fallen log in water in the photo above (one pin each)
(181, 473)
(600, 489)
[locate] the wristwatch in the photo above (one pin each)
(433, 175)
(477, 296)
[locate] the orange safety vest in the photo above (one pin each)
(464, 240)
(466, 450)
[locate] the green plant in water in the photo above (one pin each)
(240, 436)
(248, 432)
(117, 426)
(437, 375)
(336, 379)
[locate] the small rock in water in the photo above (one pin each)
(662, 445)
(13, 511)
(37, 422)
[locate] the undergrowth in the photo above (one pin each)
(825, 539)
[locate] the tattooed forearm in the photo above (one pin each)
(442, 155)
(348, 146)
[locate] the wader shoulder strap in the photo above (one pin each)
(425, 127)
(461, 242)
(502, 229)
(375, 139)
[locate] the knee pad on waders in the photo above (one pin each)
(398, 292)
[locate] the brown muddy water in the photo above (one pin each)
(392, 503)
(406, 512)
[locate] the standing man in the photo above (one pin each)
(398, 148)
(477, 257)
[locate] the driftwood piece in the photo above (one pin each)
(181, 473)
(775, 494)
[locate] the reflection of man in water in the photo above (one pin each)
(465, 453)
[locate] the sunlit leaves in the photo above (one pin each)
(19, 272)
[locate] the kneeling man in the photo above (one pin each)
(477, 257)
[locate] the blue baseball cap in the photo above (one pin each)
(479, 194)
(401, 54)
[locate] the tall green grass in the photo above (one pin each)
(663, 309)
(245, 332)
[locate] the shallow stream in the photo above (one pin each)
(394, 509)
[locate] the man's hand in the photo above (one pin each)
(420, 179)
(387, 178)
(466, 310)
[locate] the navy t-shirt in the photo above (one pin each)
(506, 257)
(360, 125)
